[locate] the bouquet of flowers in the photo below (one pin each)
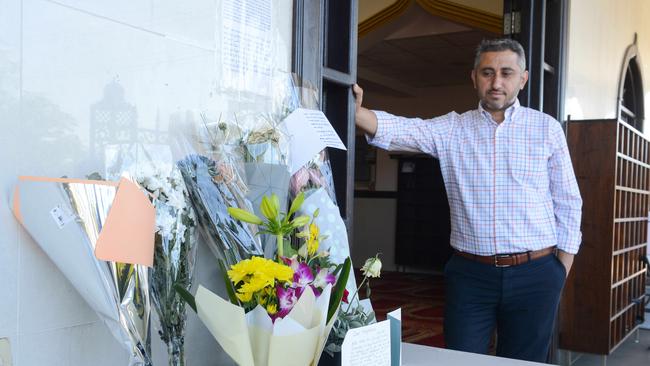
(174, 254)
(213, 187)
(279, 306)
(314, 175)
(354, 315)
(117, 292)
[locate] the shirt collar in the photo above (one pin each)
(508, 114)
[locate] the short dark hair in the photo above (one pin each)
(498, 45)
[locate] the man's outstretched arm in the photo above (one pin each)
(365, 119)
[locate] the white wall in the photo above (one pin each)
(55, 60)
(374, 231)
(599, 33)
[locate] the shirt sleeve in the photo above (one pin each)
(396, 133)
(567, 203)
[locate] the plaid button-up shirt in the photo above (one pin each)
(511, 186)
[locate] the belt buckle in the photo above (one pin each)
(496, 260)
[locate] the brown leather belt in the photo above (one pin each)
(507, 260)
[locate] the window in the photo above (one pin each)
(630, 95)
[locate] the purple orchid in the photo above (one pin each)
(302, 275)
(287, 298)
(323, 278)
(300, 290)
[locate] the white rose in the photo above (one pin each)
(372, 267)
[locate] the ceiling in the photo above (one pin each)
(420, 51)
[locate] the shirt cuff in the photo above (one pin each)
(383, 136)
(570, 247)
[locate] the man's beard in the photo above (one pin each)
(487, 105)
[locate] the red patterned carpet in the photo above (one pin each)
(421, 297)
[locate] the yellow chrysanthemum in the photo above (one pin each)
(263, 300)
(238, 272)
(257, 283)
(268, 292)
(280, 272)
(257, 265)
(271, 309)
(256, 277)
(312, 242)
(244, 297)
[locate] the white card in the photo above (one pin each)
(367, 346)
(395, 318)
(310, 132)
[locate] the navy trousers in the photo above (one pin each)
(520, 301)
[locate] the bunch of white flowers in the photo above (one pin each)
(166, 185)
(174, 251)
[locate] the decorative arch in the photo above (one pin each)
(630, 106)
(391, 12)
(445, 9)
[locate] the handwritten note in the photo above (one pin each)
(367, 346)
(310, 133)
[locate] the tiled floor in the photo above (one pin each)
(630, 353)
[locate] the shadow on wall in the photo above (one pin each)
(37, 135)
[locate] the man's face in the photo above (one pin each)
(498, 79)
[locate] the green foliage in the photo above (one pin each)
(339, 289)
(186, 296)
(229, 287)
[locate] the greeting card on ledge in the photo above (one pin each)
(378, 344)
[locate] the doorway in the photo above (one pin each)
(416, 65)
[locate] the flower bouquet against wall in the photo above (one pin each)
(174, 254)
(67, 218)
(213, 186)
(212, 167)
(353, 314)
(281, 310)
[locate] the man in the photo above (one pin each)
(514, 204)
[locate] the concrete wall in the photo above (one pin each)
(56, 58)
